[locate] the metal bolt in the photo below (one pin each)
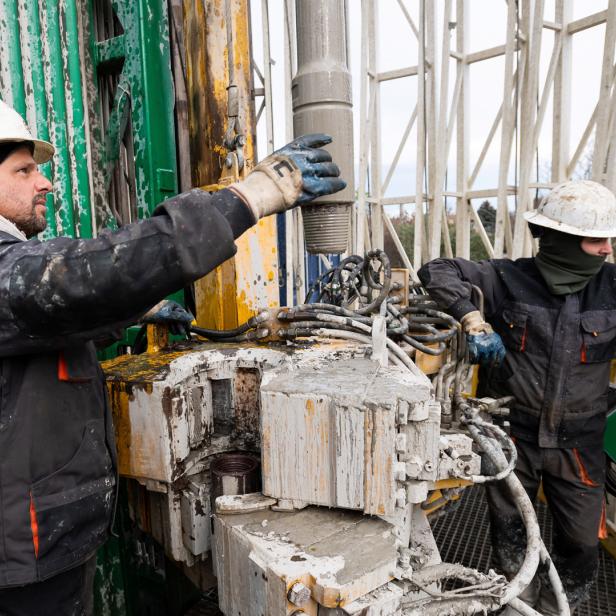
(299, 594)
(428, 466)
(413, 468)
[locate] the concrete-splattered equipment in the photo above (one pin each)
(354, 437)
(355, 453)
(366, 439)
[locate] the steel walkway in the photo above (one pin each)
(463, 536)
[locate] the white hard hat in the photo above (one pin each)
(583, 208)
(13, 128)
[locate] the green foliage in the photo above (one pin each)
(405, 228)
(487, 215)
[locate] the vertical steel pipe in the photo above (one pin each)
(322, 103)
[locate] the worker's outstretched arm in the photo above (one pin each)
(64, 290)
(450, 282)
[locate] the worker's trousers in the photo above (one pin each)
(66, 594)
(573, 484)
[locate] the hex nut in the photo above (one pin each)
(299, 594)
(413, 468)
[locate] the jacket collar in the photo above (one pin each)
(7, 226)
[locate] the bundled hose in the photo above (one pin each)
(347, 297)
(251, 330)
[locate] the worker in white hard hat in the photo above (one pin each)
(58, 461)
(547, 336)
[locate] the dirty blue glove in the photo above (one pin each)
(295, 174)
(485, 346)
(170, 313)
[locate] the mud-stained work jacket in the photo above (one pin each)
(558, 347)
(57, 456)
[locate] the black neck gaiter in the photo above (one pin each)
(565, 267)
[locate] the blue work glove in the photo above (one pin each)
(171, 314)
(485, 346)
(295, 174)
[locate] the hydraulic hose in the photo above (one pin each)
(219, 334)
(535, 548)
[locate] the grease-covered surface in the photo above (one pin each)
(463, 536)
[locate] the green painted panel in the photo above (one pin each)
(81, 202)
(609, 439)
(10, 36)
(145, 96)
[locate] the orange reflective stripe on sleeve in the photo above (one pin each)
(602, 524)
(34, 527)
(583, 473)
(523, 344)
(62, 369)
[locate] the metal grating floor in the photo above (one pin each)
(463, 536)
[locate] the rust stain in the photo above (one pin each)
(119, 398)
(223, 300)
(143, 369)
(247, 401)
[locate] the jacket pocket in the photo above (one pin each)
(515, 329)
(71, 508)
(598, 336)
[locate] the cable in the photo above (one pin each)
(232, 334)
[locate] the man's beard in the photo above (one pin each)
(34, 223)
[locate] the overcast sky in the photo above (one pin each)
(398, 48)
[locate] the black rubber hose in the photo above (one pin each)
(316, 283)
(215, 334)
(384, 259)
(423, 348)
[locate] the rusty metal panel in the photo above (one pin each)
(221, 117)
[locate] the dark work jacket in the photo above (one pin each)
(559, 347)
(57, 456)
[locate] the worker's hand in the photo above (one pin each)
(297, 173)
(171, 314)
(485, 346)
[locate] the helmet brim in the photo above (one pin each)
(536, 218)
(43, 150)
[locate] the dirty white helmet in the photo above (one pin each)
(13, 128)
(579, 208)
